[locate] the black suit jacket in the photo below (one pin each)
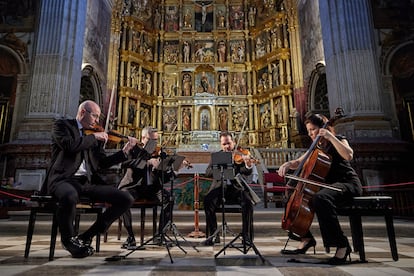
(67, 148)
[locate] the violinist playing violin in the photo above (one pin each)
(72, 173)
(233, 194)
(326, 201)
(145, 182)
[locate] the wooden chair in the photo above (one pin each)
(142, 204)
(47, 204)
(277, 188)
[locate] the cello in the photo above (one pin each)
(309, 177)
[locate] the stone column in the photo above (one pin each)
(55, 82)
(352, 67)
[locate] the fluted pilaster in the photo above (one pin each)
(56, 74)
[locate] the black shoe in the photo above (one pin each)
(340, 261)
(211, 241)
(77, 249)
(87, 241)
(309, 244)
(130, 242)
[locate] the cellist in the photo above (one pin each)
(325, 201)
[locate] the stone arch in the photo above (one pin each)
(318, 93)
(399, 81)
(13, 86)
(91, 87)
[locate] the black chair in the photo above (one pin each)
(48, 205)
(370, 206)
(142, 204)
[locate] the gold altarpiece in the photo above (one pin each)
(196, 68)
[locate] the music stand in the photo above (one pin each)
(222, 165)
(246, 240)
(168, 165)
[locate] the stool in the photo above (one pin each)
(143, 204)
(370, 206)
(47, 204)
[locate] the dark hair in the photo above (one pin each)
(225, 134)
(316, 119)
(319, 120)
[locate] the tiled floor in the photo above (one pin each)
(201, 260)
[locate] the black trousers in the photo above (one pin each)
(68, 193)
(325, 203)
(150, 192)
(232, 195)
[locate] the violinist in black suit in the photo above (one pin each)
(232, 192)
(75, 161)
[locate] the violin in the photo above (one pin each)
(113, 135)
(239, 153)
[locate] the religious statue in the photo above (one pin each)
(148, 84)
(221, 19)
(265, 117)
(187, 84)
(186, 119)
(188, 18)
(252, 16)
(186, 51)
(223, 119)
(222, 88)
(221, 51)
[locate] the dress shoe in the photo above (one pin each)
(309, 244)
(340, 261)
(130, 242)
(77, 249)
(211, 241)
(87, 241)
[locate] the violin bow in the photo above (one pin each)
(240, 134)
(109, 111)
(165, 143)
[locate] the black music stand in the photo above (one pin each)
(168, 165)
(222, 165)
(246, 240)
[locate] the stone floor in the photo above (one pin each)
(203, 260)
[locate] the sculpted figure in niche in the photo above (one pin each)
(187, 85)
(222, 83)
(186, 51)
(188, 17)
(252, 16)
(265, 118)
(223, 119)
(221, 51)
(278, 110)
(145, 120)
(148, 84)
(221, 19)
(204, 83)
(275, 74)
(157, 19)
(134, 77)
(186, 119)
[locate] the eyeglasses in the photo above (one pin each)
(94, 115)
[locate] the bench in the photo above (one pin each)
(47, 204)
(370, 206)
